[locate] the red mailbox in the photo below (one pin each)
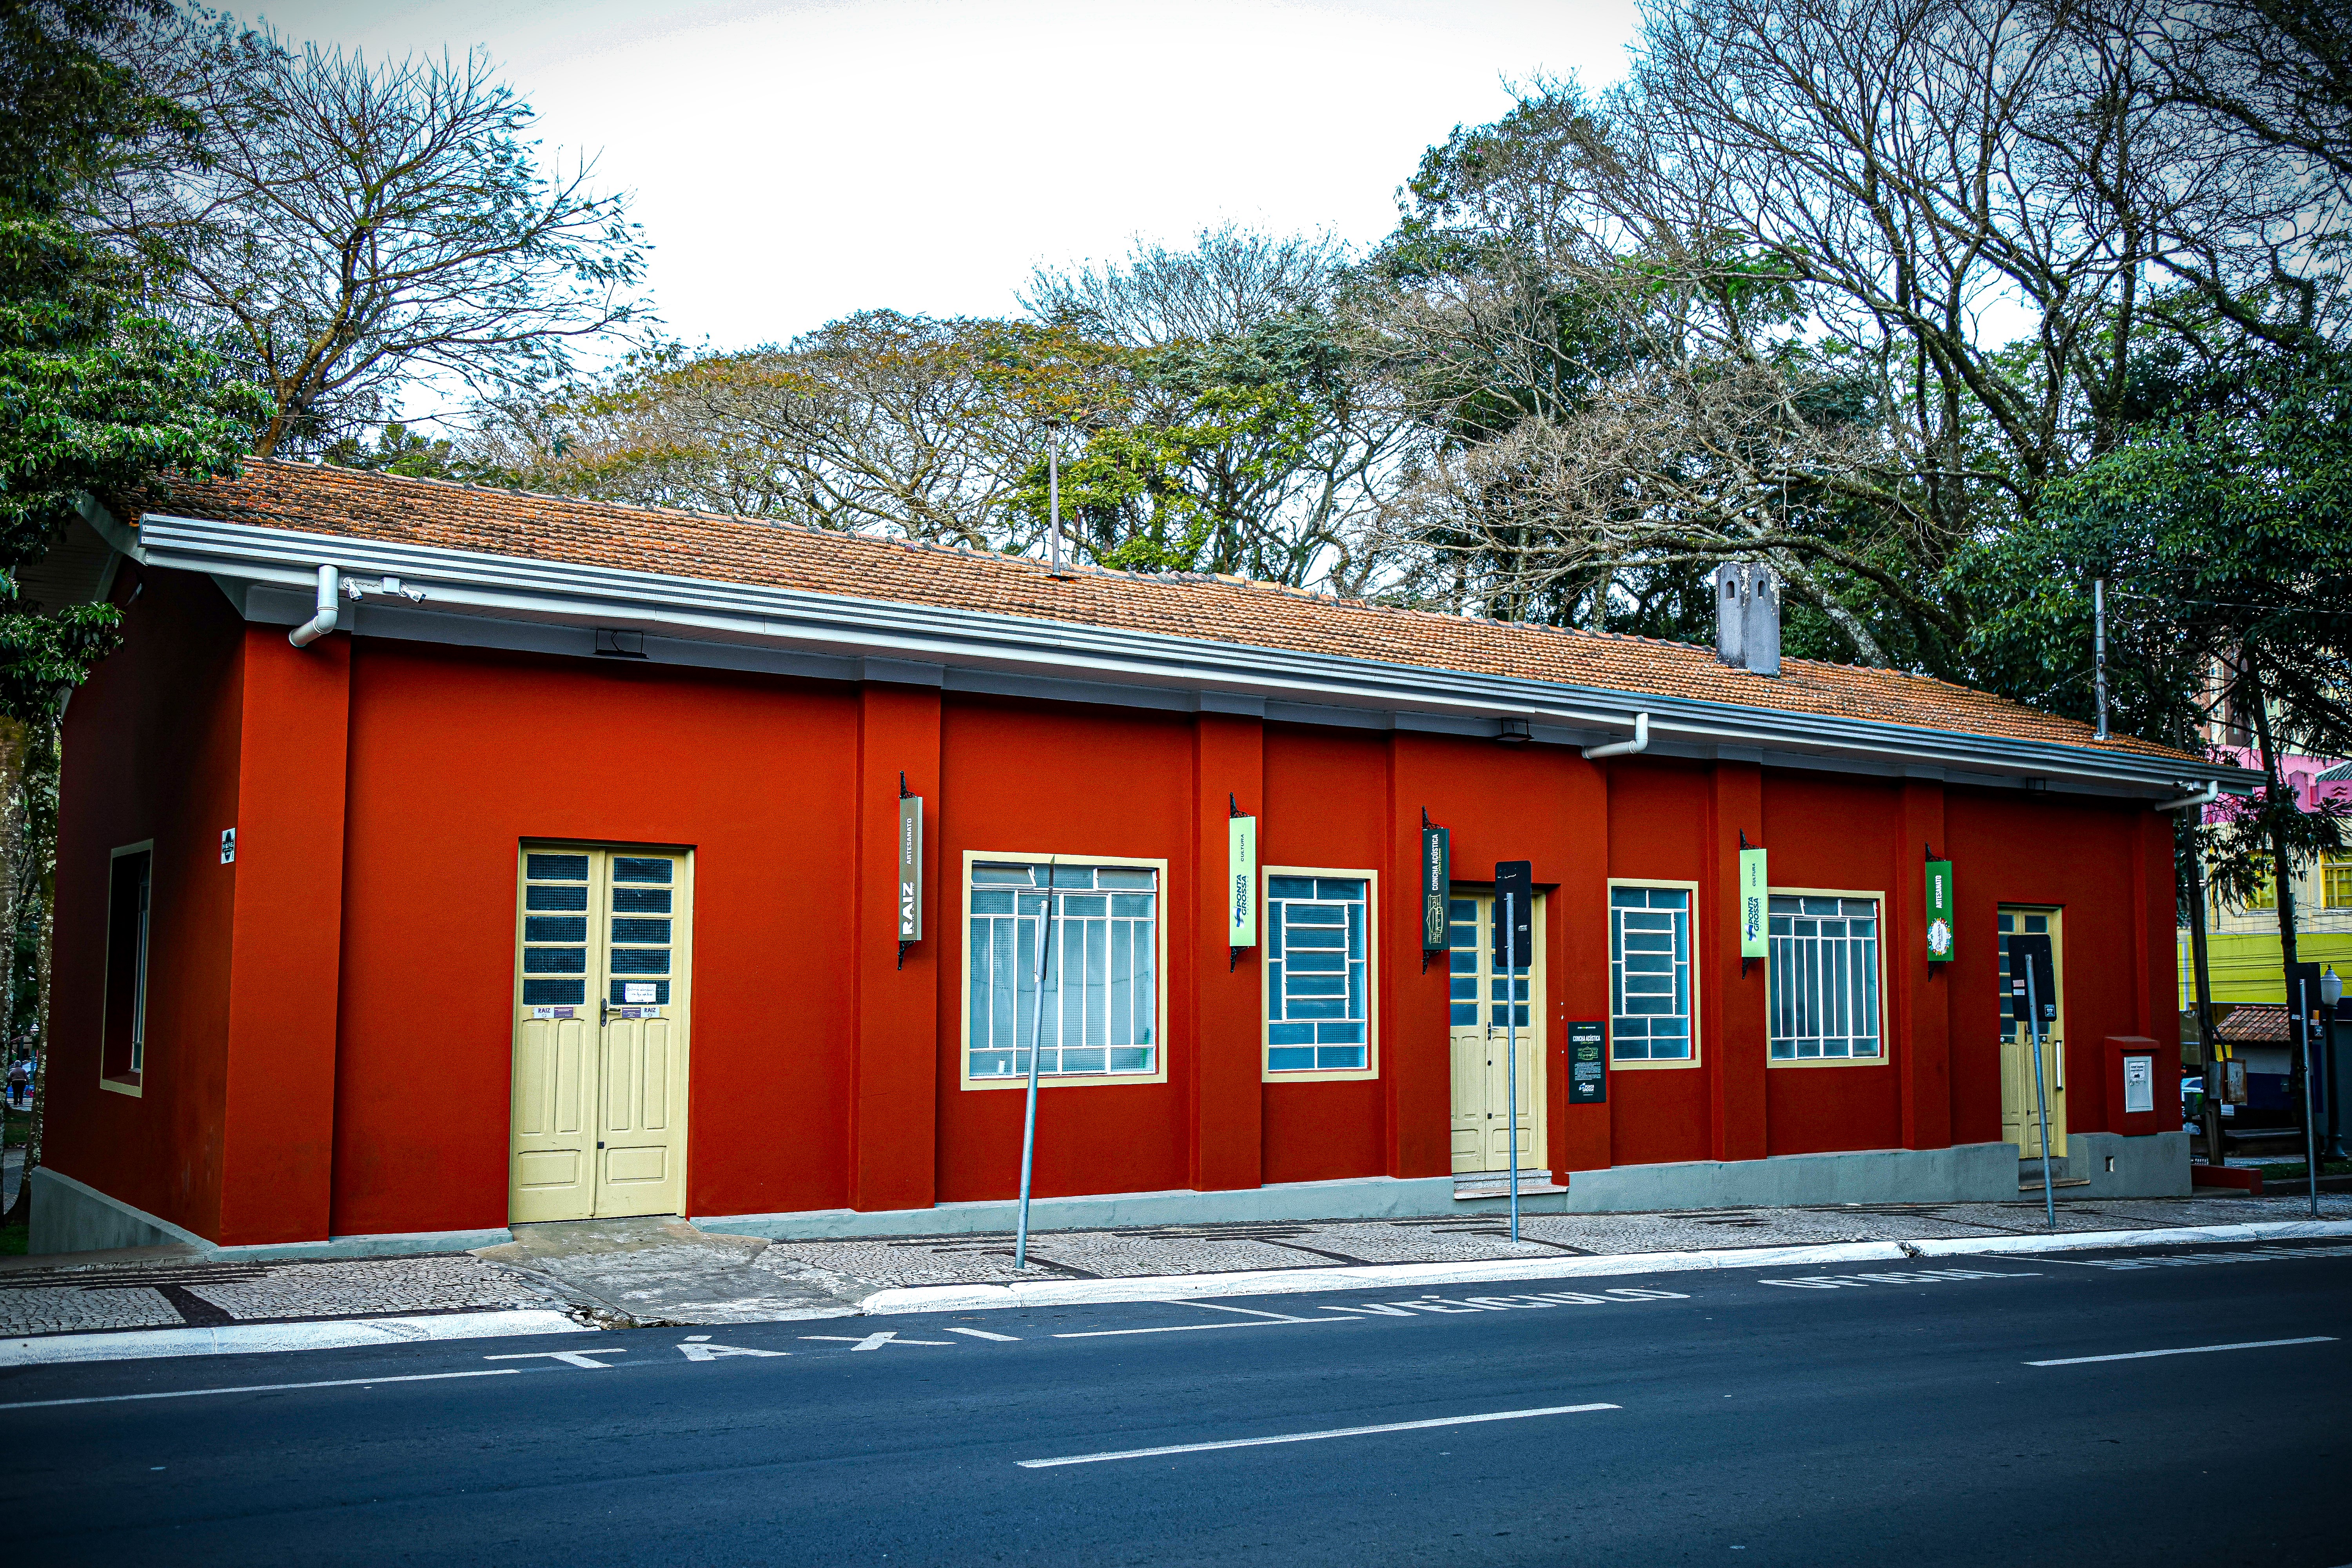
(2141, 1097)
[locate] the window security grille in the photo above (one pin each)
(1824, 978)
(1318, 1012)
(1102, 1009)
(1649, 973)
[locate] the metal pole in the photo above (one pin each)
(2328, 1046)
(1053, 501)
(2099, 650)
(2310, 1126)
(2041, 1092)
(1511, 1044)
(1037, 1042)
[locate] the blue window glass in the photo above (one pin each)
(1649, 973)
(1317, 976)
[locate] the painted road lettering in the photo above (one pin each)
(1446, 1304)
(2198, 1259)
(1914, 1277)
(875, 1342)
(569, 1358)
(692, 1350)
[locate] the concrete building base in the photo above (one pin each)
(69, 1215)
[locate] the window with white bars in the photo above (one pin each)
(1317, 974)
(1101, 1015)
(1824, 978)
(1650, 975)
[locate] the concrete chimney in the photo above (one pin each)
(1747, 617)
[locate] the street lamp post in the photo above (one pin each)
(2310, 1122)
(2331, 992)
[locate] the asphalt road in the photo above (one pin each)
(1888, 1416)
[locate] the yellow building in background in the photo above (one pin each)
(2242, 945)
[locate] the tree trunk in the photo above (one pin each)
(2282, 879)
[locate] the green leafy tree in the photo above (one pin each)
(95, 394)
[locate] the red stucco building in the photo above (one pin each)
(564, 881)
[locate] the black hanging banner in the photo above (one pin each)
(1436, 885)
(1515, 880)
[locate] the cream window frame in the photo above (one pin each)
(1159, 1073)
(135, 1084)
(1697, 1038)
(1885, 1057)
(1372, 1068)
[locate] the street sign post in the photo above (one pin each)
(1514, 887)
(1036, 1041)
(2033, 976)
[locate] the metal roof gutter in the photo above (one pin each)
(269, 564)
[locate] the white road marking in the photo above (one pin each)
(985, 1334)
(1244, 1311)
(1196, 1328)
(258, 1388)
(693, 1349)
(1314, 1436)
(570, 1358)
(875, 1342)
(2187, 1350)
(1912, 1277)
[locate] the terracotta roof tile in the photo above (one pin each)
(1216, 608)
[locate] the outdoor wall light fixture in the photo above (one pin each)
(1513, 733)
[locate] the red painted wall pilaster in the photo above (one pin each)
(894, 1099)
(1921, 1037)
(284, 942)
(1227, 1096)
(1732, 1007)
(1577, 914)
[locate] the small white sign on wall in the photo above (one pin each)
(228, 845)
(2140, 1084)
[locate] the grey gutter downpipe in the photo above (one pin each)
(2206, 796)
(319, 625)
(1640, 743)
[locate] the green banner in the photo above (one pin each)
(1939, 911)
(1753, 903)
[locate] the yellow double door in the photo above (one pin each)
(603, 969)
(2021, 1111)
(1487, 1008)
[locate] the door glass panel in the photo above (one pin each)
(555, 945)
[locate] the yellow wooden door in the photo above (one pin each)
(2021, 1119)
(1480, 1023)
(601, 1003)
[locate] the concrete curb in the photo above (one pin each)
(1301, 1281)
(245, 1338)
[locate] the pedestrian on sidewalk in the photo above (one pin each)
(20, 1085)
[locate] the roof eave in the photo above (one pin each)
(276, 567)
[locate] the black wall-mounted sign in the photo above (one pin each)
(1515, 880)
(1436, 887)
(1588, 1067)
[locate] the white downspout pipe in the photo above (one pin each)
(2206, 796)
(319, 625)
(1640, 743)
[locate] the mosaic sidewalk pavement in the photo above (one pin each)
(191, 1293)
(1219, 1249)
(616, 1273)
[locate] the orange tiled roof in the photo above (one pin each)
(361, 505)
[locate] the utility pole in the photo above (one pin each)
(1054, 500)
(2099, 650)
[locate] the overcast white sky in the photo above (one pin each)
(796, 160)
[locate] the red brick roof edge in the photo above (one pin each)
(357, 504)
